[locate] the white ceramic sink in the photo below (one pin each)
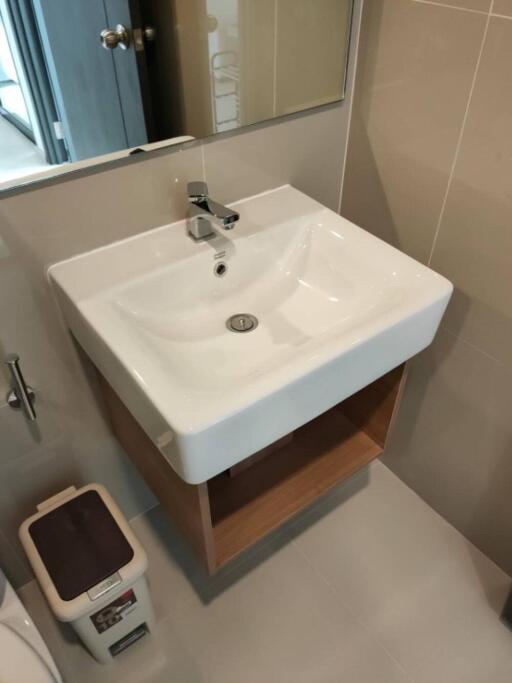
(337, 308)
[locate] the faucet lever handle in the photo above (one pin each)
(197, 190)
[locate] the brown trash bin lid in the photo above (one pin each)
(80, 544)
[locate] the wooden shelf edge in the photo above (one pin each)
(322, 455)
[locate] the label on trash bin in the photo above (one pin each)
(116, 611)
(104, 586)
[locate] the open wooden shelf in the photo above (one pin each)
(230, 512)
(246, 507)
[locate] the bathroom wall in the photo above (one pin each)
(71, 442)
(293, 50)
(290, 55)
(429, 169)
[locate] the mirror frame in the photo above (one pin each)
(125, 157)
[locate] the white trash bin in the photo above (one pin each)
(91, 568)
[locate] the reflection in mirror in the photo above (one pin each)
(82, 79)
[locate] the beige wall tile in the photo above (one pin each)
(257, 59)
(502, 7)
(189, 35)
(474, 247)
(311, 46)
(415, 71)
(452, 442)
(72, 216)
(279, 73)
(279, 154)
(481, 5)
(307, 151)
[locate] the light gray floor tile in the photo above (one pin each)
(371, 586)
(429, 596)
(278, 623)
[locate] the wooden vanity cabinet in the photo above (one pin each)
(227, 514)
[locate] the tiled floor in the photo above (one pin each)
(18, 155)
(370, 586)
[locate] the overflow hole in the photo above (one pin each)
(220, 269)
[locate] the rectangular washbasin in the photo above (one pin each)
(335, 307)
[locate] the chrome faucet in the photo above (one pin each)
(203, 212)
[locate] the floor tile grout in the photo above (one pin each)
(351, 612)
(345, 604)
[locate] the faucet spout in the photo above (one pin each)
(204, 213)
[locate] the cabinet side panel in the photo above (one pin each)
(187, 505)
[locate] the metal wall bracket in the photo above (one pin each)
(21, 395)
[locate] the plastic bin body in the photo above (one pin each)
(90, 567)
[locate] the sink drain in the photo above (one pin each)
(242, 322)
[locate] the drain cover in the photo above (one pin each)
(242, 322)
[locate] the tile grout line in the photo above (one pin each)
(274, 74)
(467, 343)
(351, 611)
(445, 5)
(465, 9)
(473, 347)
(351, 105)
(203, 163)
(461, 136)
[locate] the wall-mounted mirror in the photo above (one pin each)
(81, 79)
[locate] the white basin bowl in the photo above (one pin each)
(337, 308)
